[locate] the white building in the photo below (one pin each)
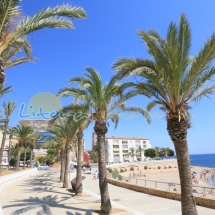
(119, 147)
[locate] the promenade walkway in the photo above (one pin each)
(41, 194)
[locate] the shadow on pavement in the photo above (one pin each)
(44, 204)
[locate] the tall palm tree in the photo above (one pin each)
(33, 138)
(140, 151)
(173, 80)
(23, 134)
(11, 133)
(58, 141)
(82, 124)
(14, 27)
(132, 153)
(8, 109)
(4, 90)
(106, 102)
(68, 130)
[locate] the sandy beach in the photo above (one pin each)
(164, 171)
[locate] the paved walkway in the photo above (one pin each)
(41, 194)
(141, 203)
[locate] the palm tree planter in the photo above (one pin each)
(173, 79)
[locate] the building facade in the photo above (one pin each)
(119, 147)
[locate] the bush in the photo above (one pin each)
(149, 167)
(144, 175)
(119, 177)
(36, 164)
(116, 170)
(109, 170)
(12, 162)
(170, 167)
(165, 167)
(159, 167)
(145, 167)
(122, 170)
(115, 174)
(131, 168)
(125, 170)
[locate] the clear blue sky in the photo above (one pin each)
(109, 32)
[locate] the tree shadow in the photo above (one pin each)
(44, 204)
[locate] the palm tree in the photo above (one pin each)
(14, 27)
(58, 141)
(82, 124)
(23, 133)
(173, 80)
(8, 109)
(32, 143)
(132, 153)
(11, 132)
(140, 151)
(68, 130)
(106, 102)
(4, 90)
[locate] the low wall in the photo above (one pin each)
(210, 203)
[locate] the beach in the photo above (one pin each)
(167, 171)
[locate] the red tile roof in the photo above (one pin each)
(126, 138)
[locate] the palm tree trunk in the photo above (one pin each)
(2, 72)
(79, 187)
(3, 142)
(63, 163)
(9, 153)
(18, 159)
(24, 158)
(178, 133)
(31, 158)
(66, 181)
(101, 129)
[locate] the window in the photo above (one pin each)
(144, 142)
(124, 146)
(124, 142)
(115, 141)
(137, 141)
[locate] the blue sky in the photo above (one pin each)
(109, 32)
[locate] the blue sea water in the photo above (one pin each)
(205, 160)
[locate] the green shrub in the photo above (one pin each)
(159, 167)
(122, 170)
(165, 167)
(131, 168)
(119, 177)
(109, 170)
(149, 167)
(170, 167)
(13, 162)
(144, 175)
(145, 167)
(115, 174)
(116, 170)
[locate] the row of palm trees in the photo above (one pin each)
(170, 78)
(135, 152)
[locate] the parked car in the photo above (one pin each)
(43, 166)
